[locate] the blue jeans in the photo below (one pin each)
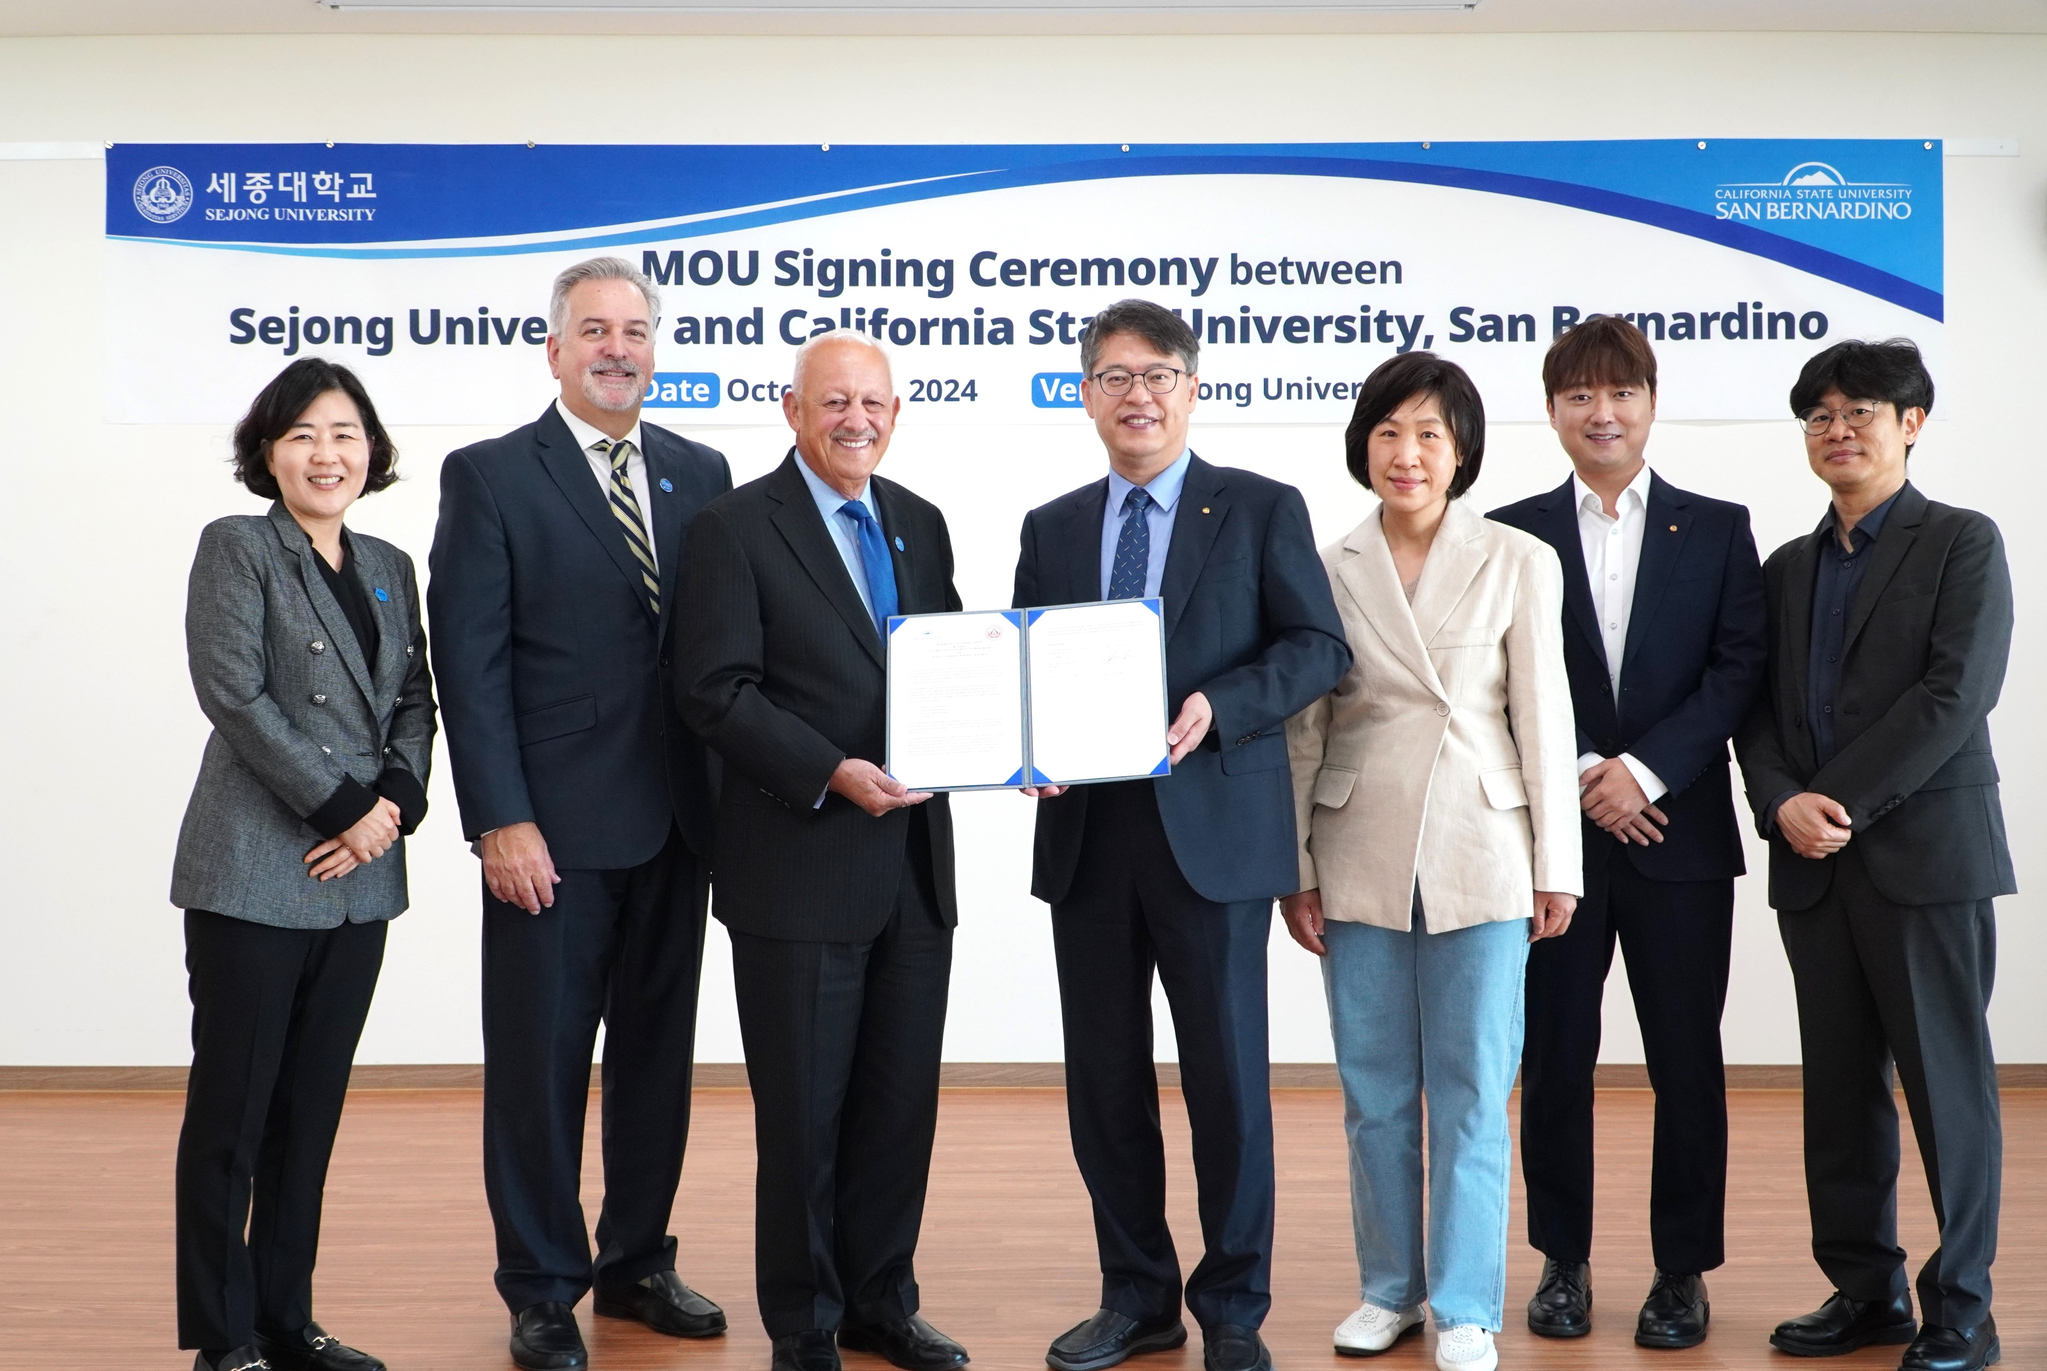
(1440, 1015)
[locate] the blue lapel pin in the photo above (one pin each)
(667, 486)
(899, 546)
(382, 596)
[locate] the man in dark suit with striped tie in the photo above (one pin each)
(552, 598)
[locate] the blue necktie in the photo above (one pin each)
(875, 563)
(1132, 567)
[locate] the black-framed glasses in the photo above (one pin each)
(1857, 414)
(1157, 380)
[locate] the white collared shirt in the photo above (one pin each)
(1613, 554)
(587, 438)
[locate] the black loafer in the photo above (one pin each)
(1109, 1337)
(240, 1359)
(811, 1350)
(1233, 1347)
(545, 1338)
(1675, 1313)
(1562, 1306)
(909, 1343)
(663, 1303)
(313, 1350)
(1841, 1325)
(1953, 1349)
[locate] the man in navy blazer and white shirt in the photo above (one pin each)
(1664, 642)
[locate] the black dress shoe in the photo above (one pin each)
(663, 1303)
(1953, 1349)
(1675, 1313)
(1562, 1307)
(545, 1338)
(1233, 1347)
(1109, 1337)
(1841, 1325)
(313, 1350)
(909, 1343)
(240, 1359)
(811, 1350)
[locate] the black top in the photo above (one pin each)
(1834, 585)
(347, 588)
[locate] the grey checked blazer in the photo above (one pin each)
(295, 709)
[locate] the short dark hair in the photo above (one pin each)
(291, 393)
(1891, 370)
(1399, 379)
(1156, 324)
(1605, 350)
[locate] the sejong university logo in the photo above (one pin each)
(162, 195)
(1813, 190)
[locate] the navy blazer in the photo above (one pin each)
(557, 693)
(1692, 666)
(1251, 624)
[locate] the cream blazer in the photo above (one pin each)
(1447, 755)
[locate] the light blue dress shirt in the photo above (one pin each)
(1164, 490)
(845, 533)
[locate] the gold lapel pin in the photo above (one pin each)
(1673, 528)
(1204, 509)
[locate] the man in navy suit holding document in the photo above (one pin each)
(1177, 874)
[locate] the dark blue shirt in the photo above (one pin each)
(1833, 596)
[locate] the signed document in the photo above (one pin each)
(955, 700)
(1097, 692)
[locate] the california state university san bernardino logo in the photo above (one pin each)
(162, 195)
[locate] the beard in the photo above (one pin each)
(605, 396)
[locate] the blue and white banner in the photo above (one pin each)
(1300, 266)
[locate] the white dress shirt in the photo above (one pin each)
(1613, 554)
(587, 438)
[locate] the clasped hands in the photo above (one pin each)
(1814, 825)
(1612, 798)
(367, 839)
(1196, 717)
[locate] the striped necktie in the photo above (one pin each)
(626, 507)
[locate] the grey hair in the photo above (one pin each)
(598, 269)
(838, 335)
(1156, 324)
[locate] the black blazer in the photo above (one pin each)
(555, 677)
(1921, 668)
(1690, 670)
(1251, 624)
(783, 672)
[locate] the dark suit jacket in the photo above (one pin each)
(1251, 624)
(784, 673)
(1921, 667)
(1690, 670)
(555, 676)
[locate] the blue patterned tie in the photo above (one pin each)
(875, 563)
(1132, 567)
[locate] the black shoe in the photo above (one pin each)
(545, 1338)
(1953, 1349)
(909, 1343)
(811, 1350)
(240, 1359)
(1233, 1347)
(1562, 1307)
(1675, 1313)
(1841, 1325)
(1109, 1337)
(663, 1303)
(313, 1350)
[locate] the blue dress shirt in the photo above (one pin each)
(1164, 490)
(845, 533)
(1834, 586)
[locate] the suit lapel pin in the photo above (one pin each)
(382, 596)
(1204, 509)
(667, 486)
(1673, 528)
(899, 545)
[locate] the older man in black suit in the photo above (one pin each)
(1868, 764)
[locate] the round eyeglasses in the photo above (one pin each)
(1157, 380)
(1858, 414)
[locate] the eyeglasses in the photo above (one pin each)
(1858, 415)
(1157, 380)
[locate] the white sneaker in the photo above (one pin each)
(1373, 1329)
(1467, 1347)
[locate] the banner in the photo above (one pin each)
(1300, 267)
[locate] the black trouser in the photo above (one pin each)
(1677, 937)
(1877, 983)
(276, 1015)
(1130, 913)
(622, 947)
(843, 1042)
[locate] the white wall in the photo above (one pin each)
(99, 520)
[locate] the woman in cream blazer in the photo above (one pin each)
(1437, 803)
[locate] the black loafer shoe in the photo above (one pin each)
(663, 1303)
(1109, 1337)
(1675, 1313)
(240, 1359)
(909, 1343)
(545, 1338)
(1562, 1307)
(313, 1350)
(1953, 1349)
(811, 1350)
(1233, 1347)
(1841, 1325)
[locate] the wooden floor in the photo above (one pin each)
(1006, 1262)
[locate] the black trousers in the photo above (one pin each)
(624, 948)
(843, 1042)
(1677, 937)
(276, 1015)
(1129, 914)
(1880, 983)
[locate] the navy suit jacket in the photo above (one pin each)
(1692, 666)
(557, 686)
(1251, 624)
